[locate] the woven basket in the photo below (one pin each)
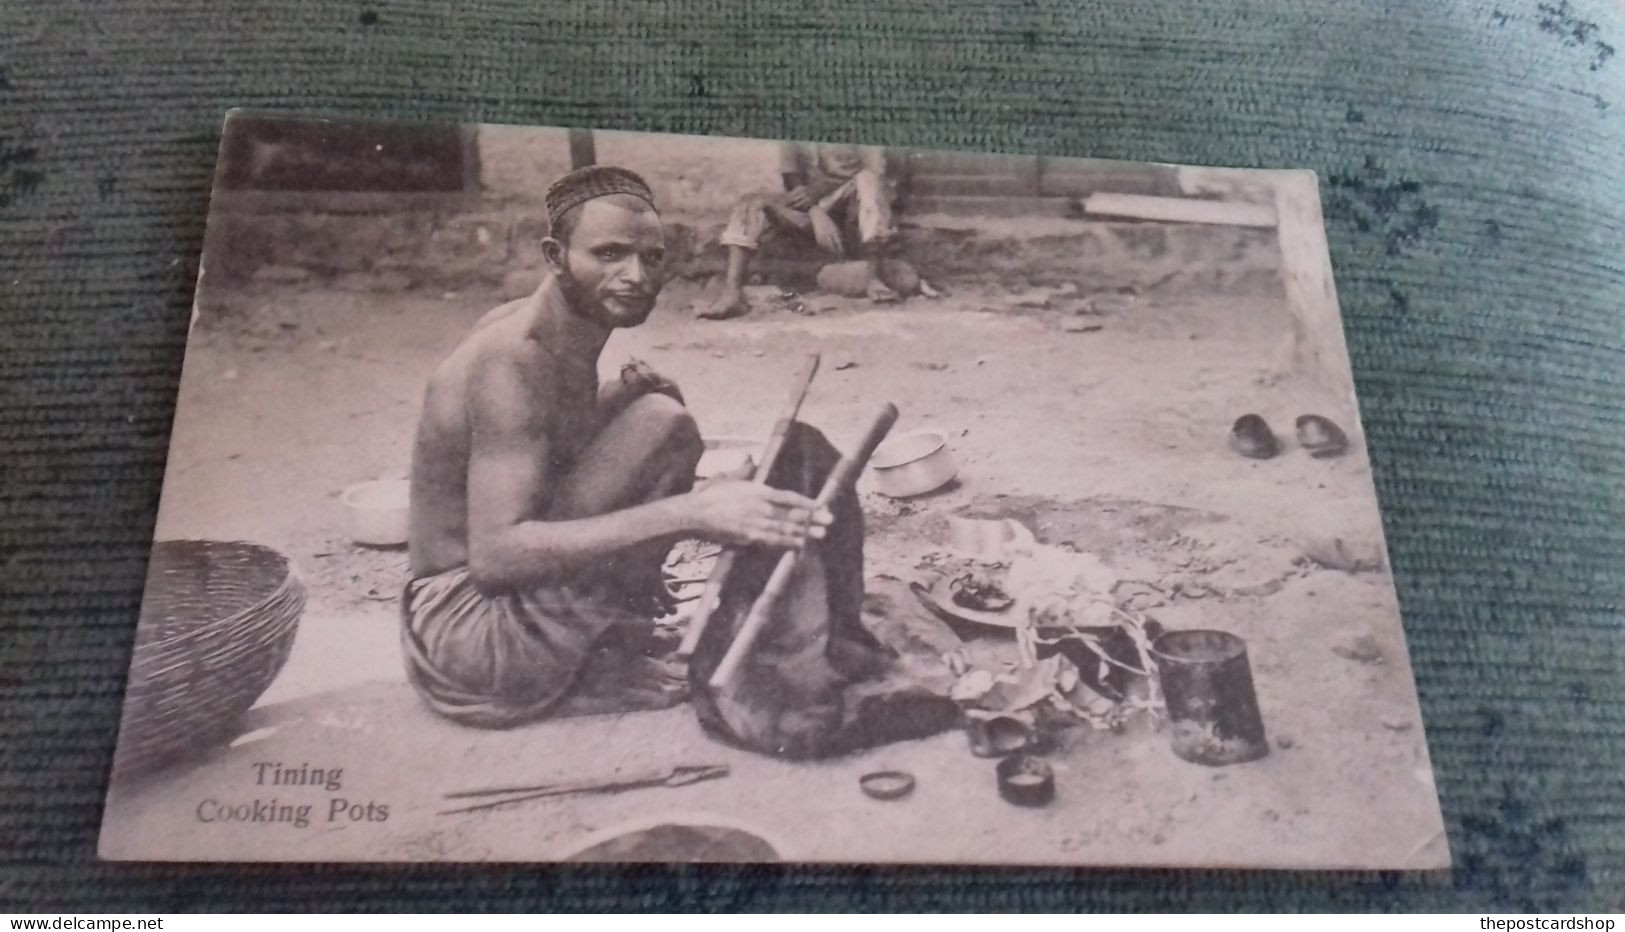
(217, 622)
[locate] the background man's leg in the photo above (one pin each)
(742, 237)
(865, 200)
(754, 217)
(876, 229)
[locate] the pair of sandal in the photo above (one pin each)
(1252, 437)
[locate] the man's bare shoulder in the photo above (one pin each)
(500, 312)
(497, 342)
(495, 376)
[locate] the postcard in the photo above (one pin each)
(561, 495)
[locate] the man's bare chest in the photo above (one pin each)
(570, 419)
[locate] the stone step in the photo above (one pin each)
(972, 206)
(1082, 184)
(1048, 185)
(968, 163)
(973, 185)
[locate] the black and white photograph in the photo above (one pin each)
(543, 494)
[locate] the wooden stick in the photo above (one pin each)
(841, 478)
(781, 428)
(770, 456)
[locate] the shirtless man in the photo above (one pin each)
(543, 504)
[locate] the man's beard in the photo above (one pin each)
(583, 301)
(576, 296)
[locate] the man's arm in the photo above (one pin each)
(638, 378)
(792, 165)
(509, 484)
(509, 481)
(874, 159)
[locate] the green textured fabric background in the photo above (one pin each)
(1472, 156)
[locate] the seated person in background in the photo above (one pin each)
(543, 504)
(821, 182)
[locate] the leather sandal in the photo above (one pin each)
(1252, 438)
(1321, 437)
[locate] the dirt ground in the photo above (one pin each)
(1111, 440)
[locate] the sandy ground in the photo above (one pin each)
(1111, 440)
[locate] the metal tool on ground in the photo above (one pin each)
(840, 479)
(712, 597)
(670, 777)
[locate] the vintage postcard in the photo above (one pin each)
(556, 495)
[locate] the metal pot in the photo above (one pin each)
(726, 456)
(1207, 685)
(377, 512)
(913, 464)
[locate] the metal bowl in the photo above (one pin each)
(378, 513)
(726, 456)
(913, 464)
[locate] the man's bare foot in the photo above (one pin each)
(881, 293)
(731, 303)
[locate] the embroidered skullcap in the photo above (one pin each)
(594, 181)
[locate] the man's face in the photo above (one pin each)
(613, 264)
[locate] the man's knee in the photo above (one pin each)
(666, 423)
(869, 183)
(746, 222)
(750, 208)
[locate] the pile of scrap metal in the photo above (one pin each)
(1082, 640)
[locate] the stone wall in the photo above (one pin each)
(491, 240)
(695, 178)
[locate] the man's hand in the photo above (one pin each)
(825, 231)
(639, 378)
(798, 198)
(740, 513)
